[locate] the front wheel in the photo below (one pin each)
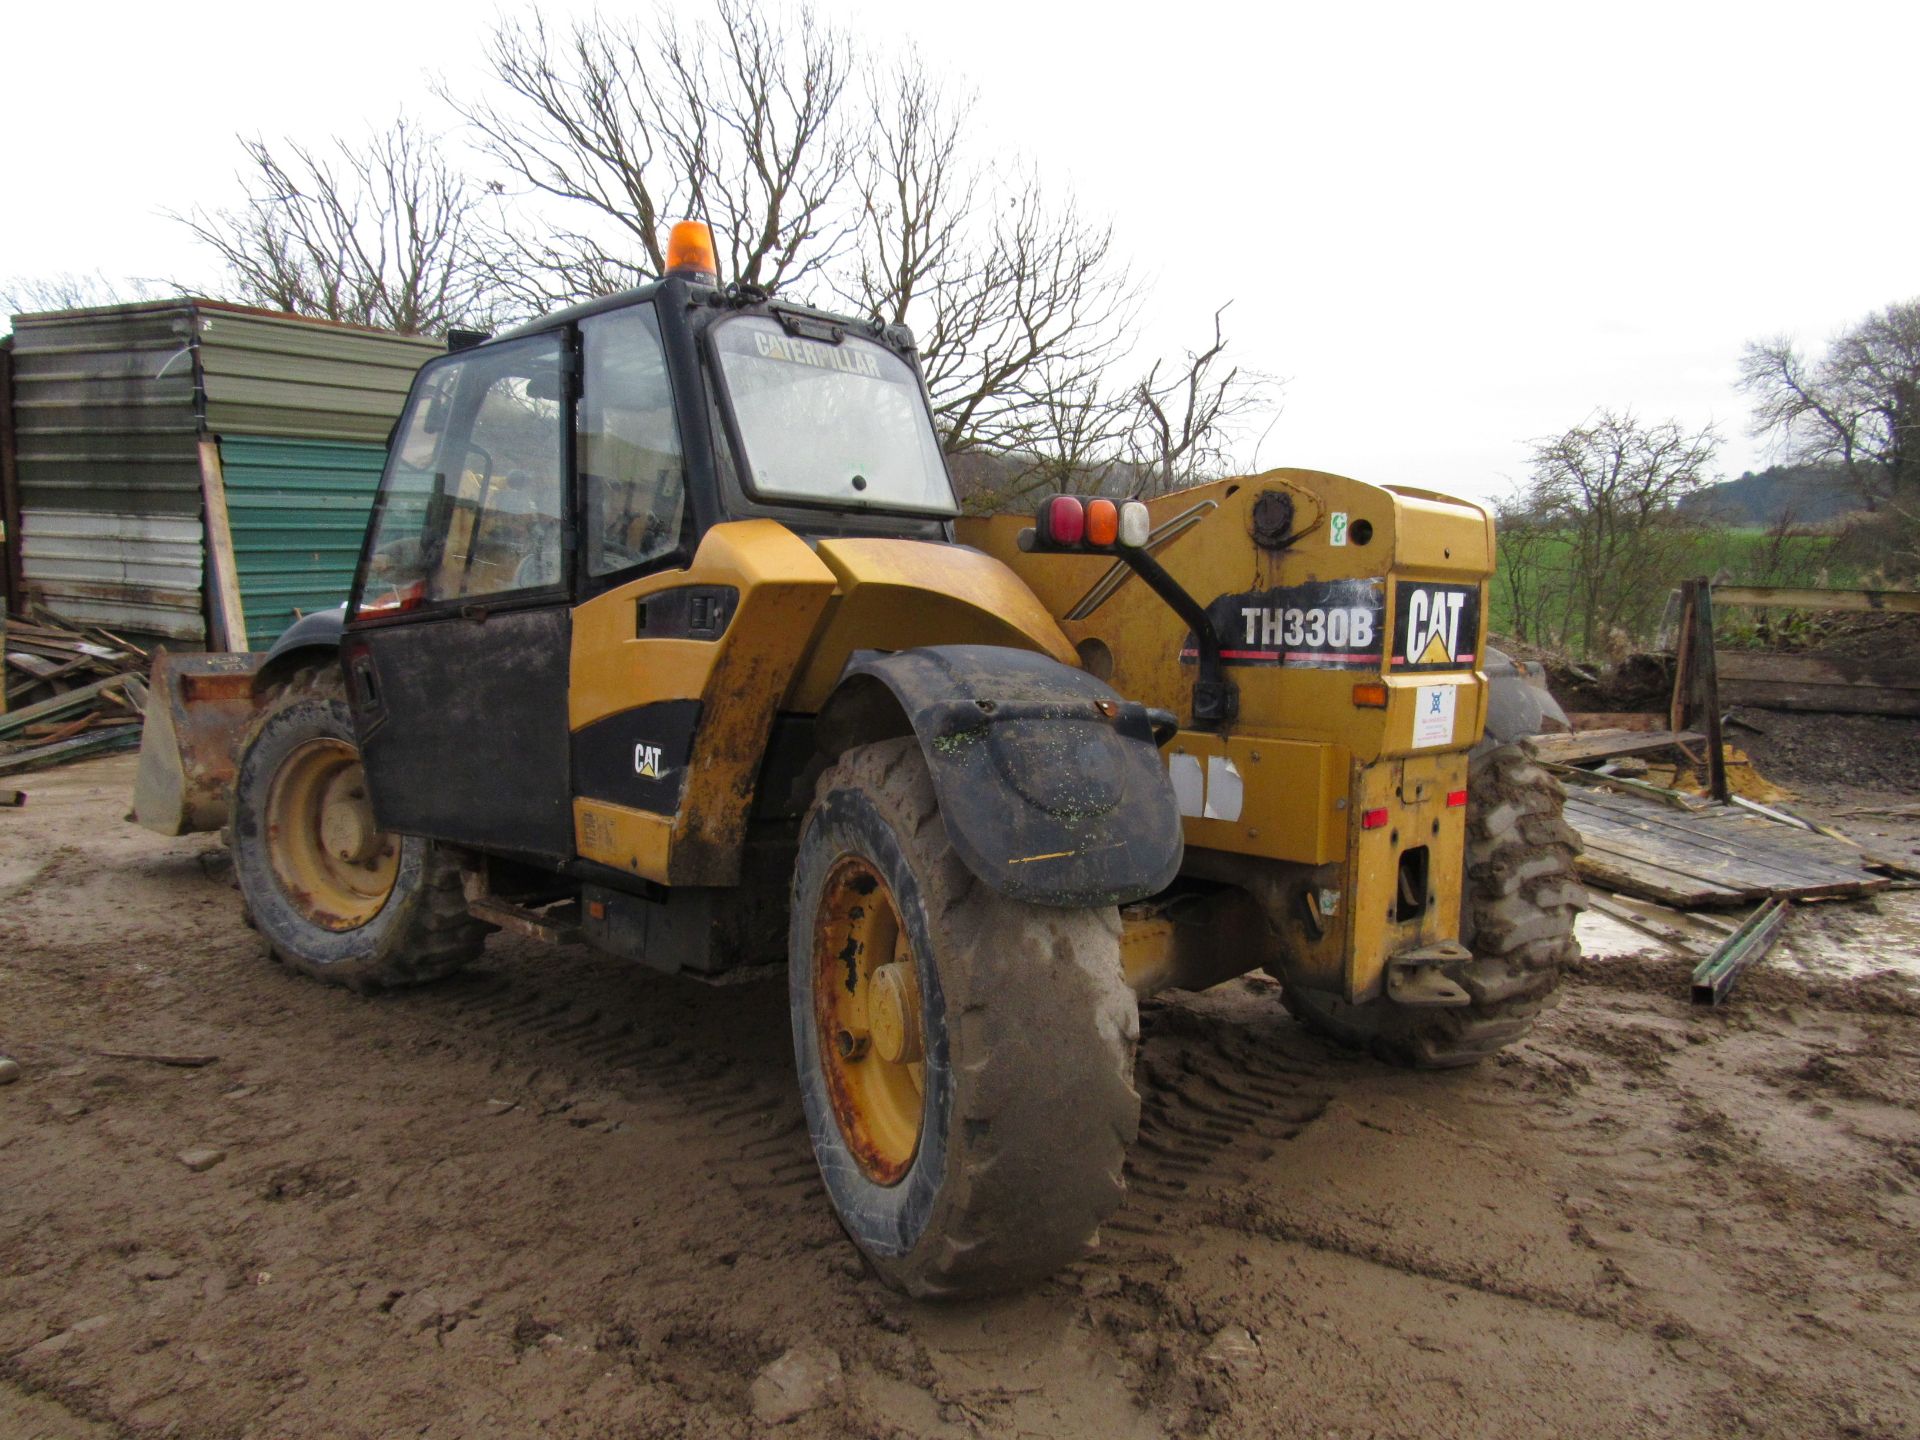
(1522, 894)
(965, 1060)
(335, 897)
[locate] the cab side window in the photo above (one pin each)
(631, 470)
(472, 500)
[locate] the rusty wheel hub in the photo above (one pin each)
(333, 862)
(867, 1013)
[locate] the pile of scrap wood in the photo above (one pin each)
(70, 692)
(1670, 864)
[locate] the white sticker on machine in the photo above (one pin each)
(1433, 715)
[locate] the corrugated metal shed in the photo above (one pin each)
(110, 405)
(270, 374)
(298, 509)
(104, 405)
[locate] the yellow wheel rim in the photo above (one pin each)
(333, 864)
(866, 1007)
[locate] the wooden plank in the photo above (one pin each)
(1635, 720)
(1706, 677)
(1752, 858)
(1601, 744)
(1621, 784)
(1895, 672)
(1682, 696)
(229, 617)
(1673, 927)
(1823, 699)
(1788, 597)
(1697, 863)
(1885, 685)
(58, 705)
(1760, 845)
(99, 742)
(1632, 877)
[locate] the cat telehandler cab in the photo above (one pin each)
(666, 635)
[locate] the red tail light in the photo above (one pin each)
(1456, 798)
(1373, 819)
(1063, 521)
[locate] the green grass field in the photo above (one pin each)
(1743, 557)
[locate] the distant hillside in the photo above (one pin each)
(1798, 494)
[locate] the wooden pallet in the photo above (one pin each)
(1711, 856)
(1604, 744)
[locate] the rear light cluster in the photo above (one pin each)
(397, 601)
(1373, 819)
(1066, 522)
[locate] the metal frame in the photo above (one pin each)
(11, 570)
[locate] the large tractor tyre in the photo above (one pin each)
(1521, 896)
(334, 897)
(966, 1060)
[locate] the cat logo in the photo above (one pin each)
(646, 761)
(1436, 626)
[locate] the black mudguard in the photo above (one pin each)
(1050, 785)
(318, 633)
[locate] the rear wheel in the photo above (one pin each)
(1522, 894)
(334, 896)
(966, 1061)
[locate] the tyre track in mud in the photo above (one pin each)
(1216, 1099)
(713, 1064)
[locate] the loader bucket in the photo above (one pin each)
(198, 708)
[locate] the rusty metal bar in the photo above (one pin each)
(1714, 976)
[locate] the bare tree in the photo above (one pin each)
(735, 122)
(916, 191)
(1018, 301)
(1857, 405)
(1183, 420)
(1075, 435)
(381, 233)
(1610, 490)
(755, 123)
(69, 291)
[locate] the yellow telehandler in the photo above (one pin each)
(667, 636)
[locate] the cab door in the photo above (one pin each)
(458, 636)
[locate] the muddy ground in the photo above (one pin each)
(562, 1196)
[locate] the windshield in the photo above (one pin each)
(838, 424)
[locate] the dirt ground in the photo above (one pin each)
(563, 1196)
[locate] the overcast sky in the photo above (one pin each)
(1451, 228)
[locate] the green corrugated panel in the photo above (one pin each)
(298, 509)
(276, 375)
